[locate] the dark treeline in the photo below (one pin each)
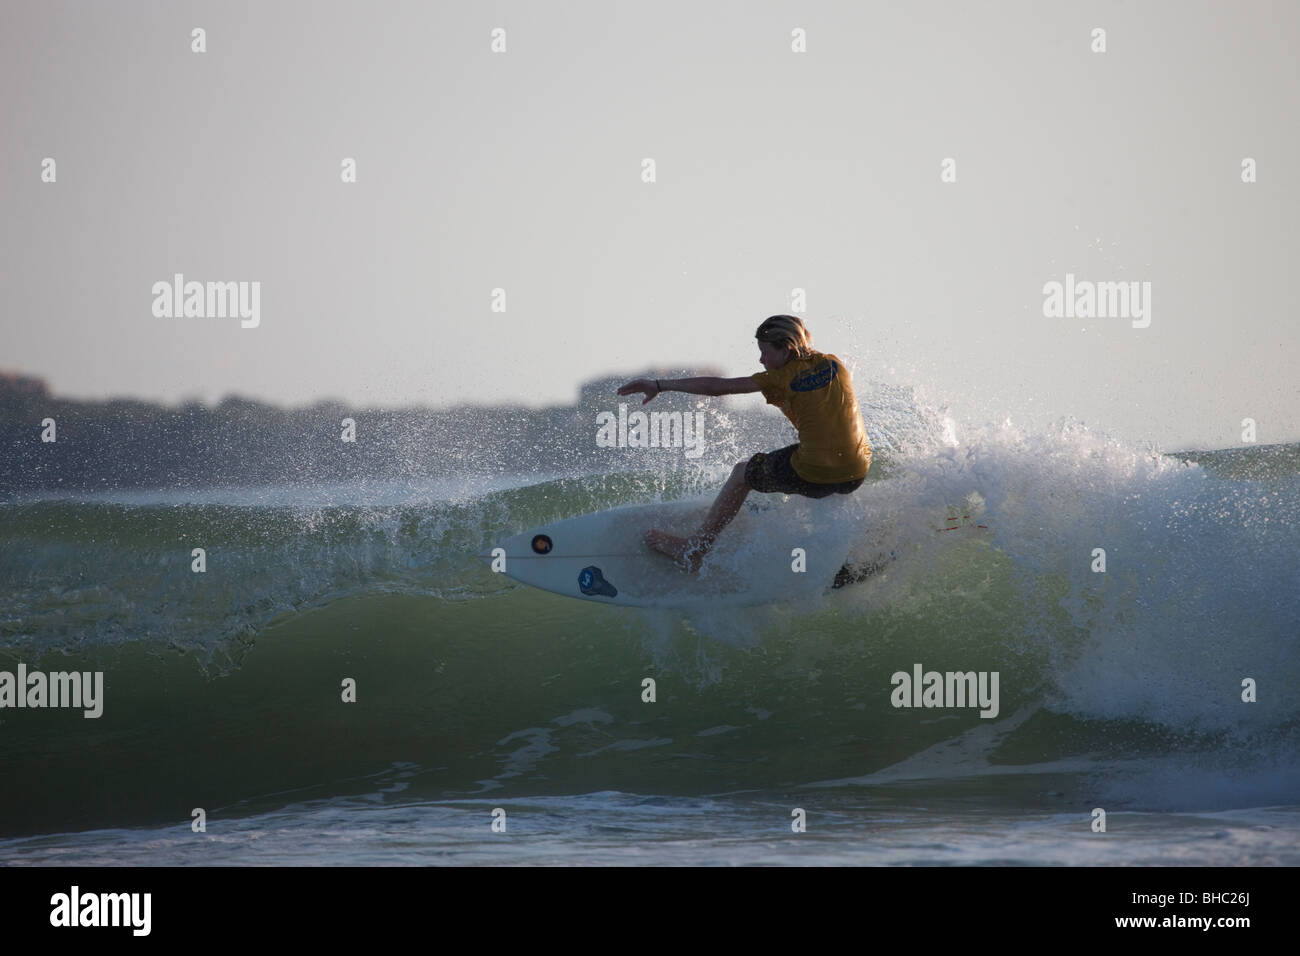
(125, 443)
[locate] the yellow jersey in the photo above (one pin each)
(816, 394)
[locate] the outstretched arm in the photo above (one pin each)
(705, 385)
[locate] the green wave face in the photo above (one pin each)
(225, 689)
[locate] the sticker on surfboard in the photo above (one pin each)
(591, 581)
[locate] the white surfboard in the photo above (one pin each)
(601, 557)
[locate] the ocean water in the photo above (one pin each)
(494, 723)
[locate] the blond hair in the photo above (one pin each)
(787, 330)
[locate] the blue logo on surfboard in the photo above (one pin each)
(591, 581)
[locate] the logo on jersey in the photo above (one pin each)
(816, 378)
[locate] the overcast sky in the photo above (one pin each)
(774, 170)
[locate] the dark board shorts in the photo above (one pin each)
(771, 471)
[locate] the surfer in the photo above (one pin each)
(814, 391)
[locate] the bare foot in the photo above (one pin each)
(684, 554)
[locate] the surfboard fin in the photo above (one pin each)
(853, 573)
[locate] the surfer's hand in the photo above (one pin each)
(647, 385)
